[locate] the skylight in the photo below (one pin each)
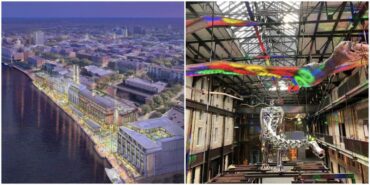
(279, 12)
(283, 86)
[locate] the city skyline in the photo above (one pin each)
(92, 9)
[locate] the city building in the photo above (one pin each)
(150, 145)
(101, 61)
(35, 61)
(170, 75)
(7, 53)
(101, 109)
(97, 72)
(176, 115)
(39, 38)
(84, 55)
(139, 90)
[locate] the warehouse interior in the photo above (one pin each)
(223, 111)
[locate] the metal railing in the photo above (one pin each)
(324, 137)
(357, 146)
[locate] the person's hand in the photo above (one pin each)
(350, 52)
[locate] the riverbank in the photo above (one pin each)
(124, 174)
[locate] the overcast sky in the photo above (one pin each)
(93, 9)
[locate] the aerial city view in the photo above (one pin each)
(92, 92)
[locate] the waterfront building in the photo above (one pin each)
(151, 145)
(35, 61)
(98, 107)
(28, 53)
(73, 94)
(101, 109)
(55, 69)
(18, 56)
(7, 53)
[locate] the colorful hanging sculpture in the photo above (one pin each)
(215, 21)
(345, 57)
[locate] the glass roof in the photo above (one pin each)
(278, 12)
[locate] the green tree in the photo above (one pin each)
(165, 96)
(85, 62)
(163, 109)
(158, 100)
(130, 72)
(155, 115)
(146, 108)
(152, 104)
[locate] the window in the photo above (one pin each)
(199, 135)
(227, 133)
(342, 132)
(366, 128)
(214, 137)
(200, 115)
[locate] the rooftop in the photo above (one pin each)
(146, 83)
(98, 71)
(152, 132)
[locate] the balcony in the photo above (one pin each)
(350, 145)
(328, 139)
(324, 137)
(357, 146)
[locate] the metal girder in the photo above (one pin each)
(334, 28)
(208, 48)
(196, 51)
(321, 34)
(313, 39)
(218, 42)
(360, 14)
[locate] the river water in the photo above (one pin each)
(40, 143)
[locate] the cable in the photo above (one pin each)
(214, 92)
(259, 104)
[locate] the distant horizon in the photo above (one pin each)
(92, 9)
(92, 17)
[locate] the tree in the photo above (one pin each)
(163, 109)
(146, 108)
(155, 115)
(85, 62)
(177, 87)
(152, 104)
(130, 72)
(158, 100)
(165, 96)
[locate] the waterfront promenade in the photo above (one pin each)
(125, 170)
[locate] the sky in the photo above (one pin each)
(92, 9)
